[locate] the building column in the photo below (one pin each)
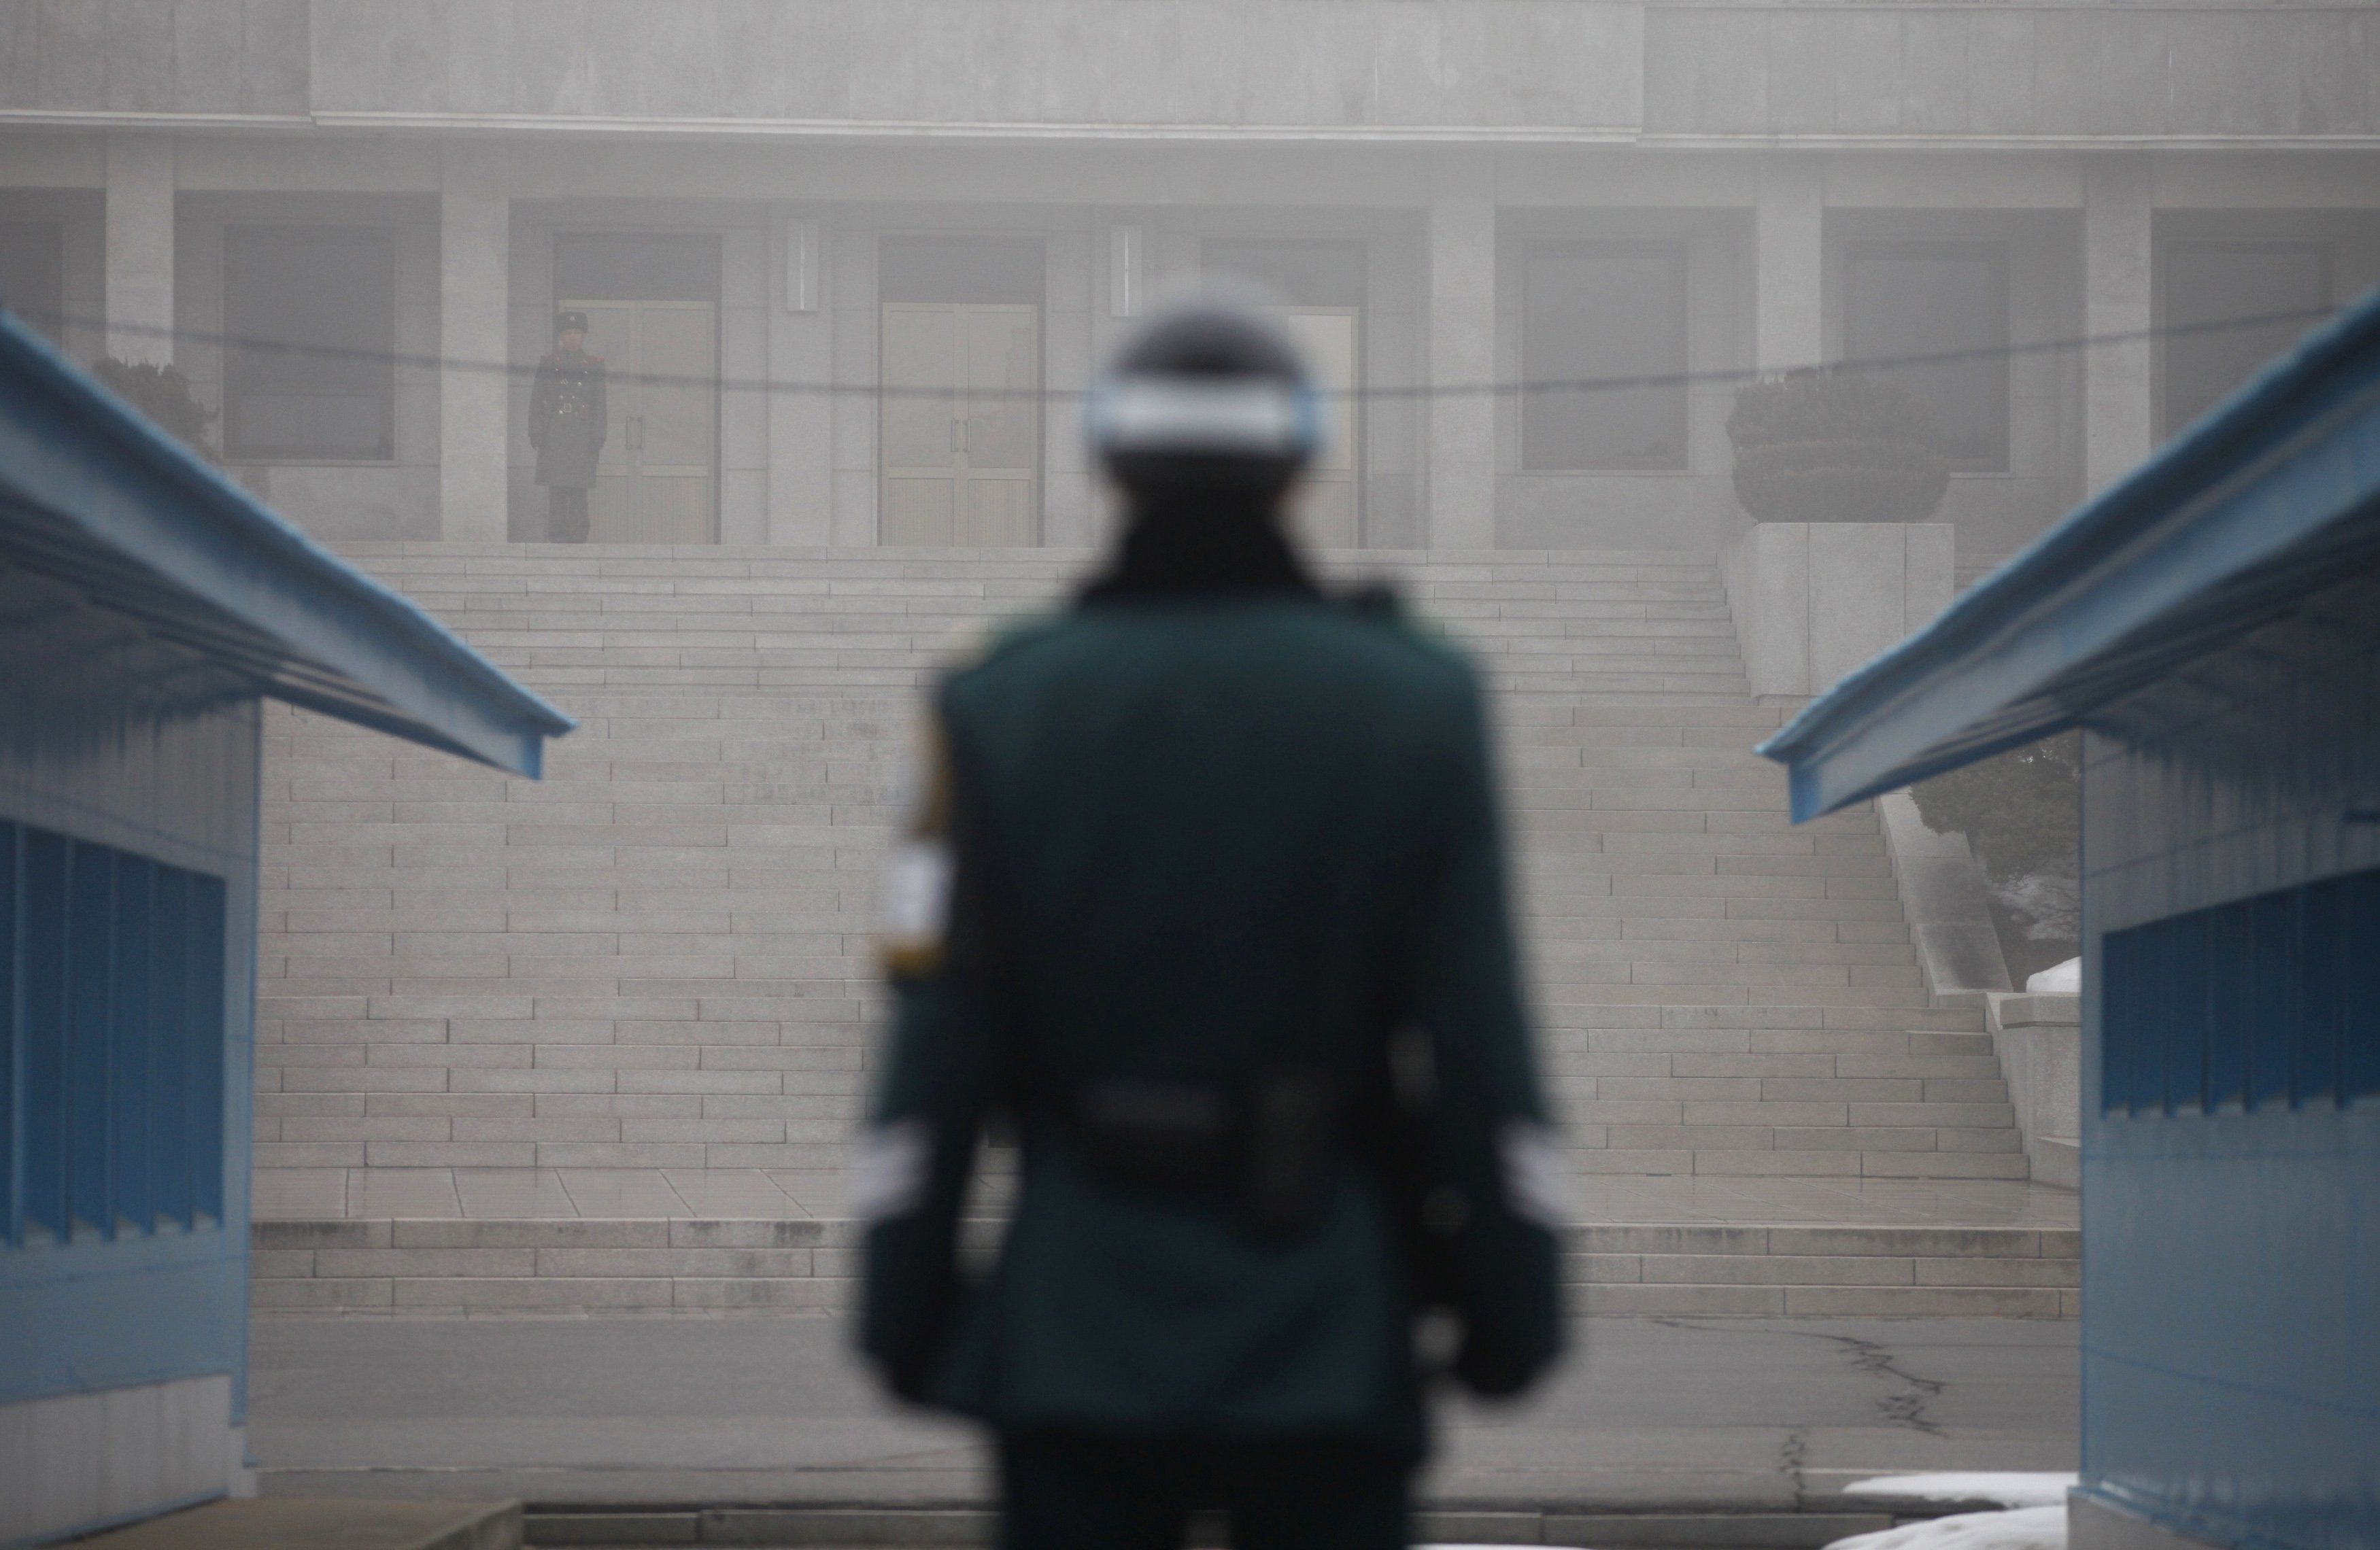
(1463, 354)
(139, 298)
(1790, 252)
(1070, 486)
(2116, 254)
(801, 425)
(474, 335)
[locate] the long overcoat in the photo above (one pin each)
(567, 418)
(1189, 837)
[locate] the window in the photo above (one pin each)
(310, 373)
(2209, 285)
(32, 272)
(2270, 1001)
(1936, 298)
(111, 1040)
(1591, 312)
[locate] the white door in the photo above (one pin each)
(1326, 509)
(960, 424)
(653, 482)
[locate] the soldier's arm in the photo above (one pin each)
(602, 406)
(539, 405)
(941, 1074)
(1491, 1131)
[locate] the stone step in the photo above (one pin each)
(305, 1523)
(1614, 1526)
(703, 1266)
(660, 957)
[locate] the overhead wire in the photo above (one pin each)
(769, 386)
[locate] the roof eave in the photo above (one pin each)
(74, 450)
(2293, 453)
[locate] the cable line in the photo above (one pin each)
(1502, 389)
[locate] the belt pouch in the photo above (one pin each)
(1291, 1150)
(1163, 1135)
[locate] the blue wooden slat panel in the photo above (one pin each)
(169, 1123)
(2273, 1009)
(2128, 1045)
(12, 1165)
(2231, 994)
(2314, 1052)
(42, 1099)
(90, 880)
(2359, 1032)
(204, 1045)
(127, 1040)
(2182, 1012)
(2263, 1002)
(113, 1045)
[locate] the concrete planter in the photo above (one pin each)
(2039, 1039)
(1815, 599)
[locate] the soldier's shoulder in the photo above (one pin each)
(988, 644)
(1412, 637)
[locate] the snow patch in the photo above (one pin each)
(2058, 979)
(1999, 1488)
(2026, 1527)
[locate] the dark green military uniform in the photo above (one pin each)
(1198, 840)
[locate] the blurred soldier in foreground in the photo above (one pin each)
(1206, 897)
(567, 423)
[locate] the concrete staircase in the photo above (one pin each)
(613, 1028)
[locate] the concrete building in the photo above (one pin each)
(146, 609)
(962, 196)
(2213, 623)
(640, 992)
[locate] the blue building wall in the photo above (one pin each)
(2231, 1128)
(111, 740)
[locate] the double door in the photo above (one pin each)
(960, 423)
(653, 482)
(1325, 509)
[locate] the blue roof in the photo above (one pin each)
(95, 499)
(2273, 494)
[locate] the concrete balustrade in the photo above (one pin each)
(1814, 601)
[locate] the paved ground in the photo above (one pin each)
(1657, 1412)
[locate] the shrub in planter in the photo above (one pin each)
(163, 395)
(2022, 811)
(1834, 446)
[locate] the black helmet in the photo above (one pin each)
(1211, 392)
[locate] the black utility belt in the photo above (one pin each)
(1273, 1143)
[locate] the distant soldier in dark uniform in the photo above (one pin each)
(567, 421)
(1204, 900)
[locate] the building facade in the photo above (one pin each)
(351, 224)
